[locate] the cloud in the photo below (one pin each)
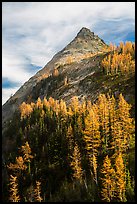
(32, 32)
(7, 92)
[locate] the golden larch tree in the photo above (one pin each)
(92, 133)
(25, 110)
(103, 113)
(37, 192)
(92, 139)
(125, 121)
(39, 103)
(120, 178)
(14, 197)
(76, 164)
(75, 104)
(108, 180)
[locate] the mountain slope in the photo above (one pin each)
(70, 140)
(78, 73)
(84, 42)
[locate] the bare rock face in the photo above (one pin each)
(84, 42)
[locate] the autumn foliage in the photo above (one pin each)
(121, 59)
(82, 143)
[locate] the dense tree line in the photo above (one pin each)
(121, 59)
(75, 152)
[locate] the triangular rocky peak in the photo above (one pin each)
(85, 41)
(84, 32)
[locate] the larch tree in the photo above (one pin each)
(117, 145)
(121, 60)
(70, 139)
(95, 168)
(120, 178)
(18, 166)
(14, 197)
(25, 110)
(92, 139)
(62, 107)
(121, 126)
(26, 150)
(37, 192)
(121, 47)
(125, 122)
(21, 161)
(108, 181)
(92, 133)
(103, 113)
(39, 103)
(76, 164)
(75, 104)
(106, 66)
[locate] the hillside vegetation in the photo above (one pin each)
(83, 152)
(72, 139)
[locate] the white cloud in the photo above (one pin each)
(7, 92)
(14, 68)
(37, 30)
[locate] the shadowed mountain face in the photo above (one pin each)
(75, 70)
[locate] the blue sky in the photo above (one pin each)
(32, 32)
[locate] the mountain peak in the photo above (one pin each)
(84, 42)
(85, 32)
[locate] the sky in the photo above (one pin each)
(33, 32)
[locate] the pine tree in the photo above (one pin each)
(129, 187)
